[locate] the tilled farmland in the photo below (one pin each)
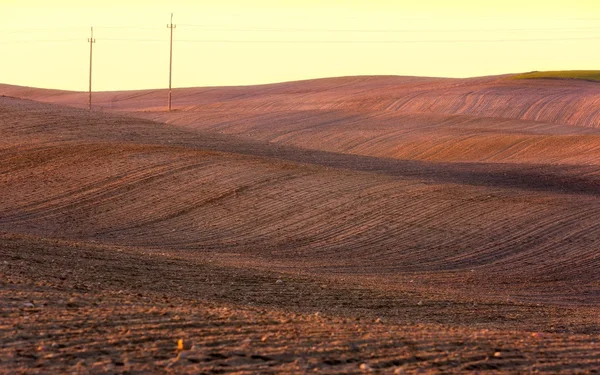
(310, 226)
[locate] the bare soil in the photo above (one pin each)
(71, 307)
(309, 252)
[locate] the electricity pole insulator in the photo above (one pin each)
(171, 26)
(91, 40)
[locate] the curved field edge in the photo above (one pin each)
(564, 102)
(423, 137)
(586, 75)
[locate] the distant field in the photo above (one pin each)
(587, 75)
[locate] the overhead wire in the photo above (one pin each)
(326, 30)
(233, 41)
(206, 27)
(41, 41)
(132, 40)
(341, 42)
(128, 27)
(315, 30)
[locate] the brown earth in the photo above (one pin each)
(489, 119)
(290, 228)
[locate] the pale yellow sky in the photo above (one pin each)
(43, 42)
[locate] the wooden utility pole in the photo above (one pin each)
(91, 41)
(171, 26)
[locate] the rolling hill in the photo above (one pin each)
(490, 119)
(456, 205)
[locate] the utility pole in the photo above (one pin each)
(171, 26)
(91, 41)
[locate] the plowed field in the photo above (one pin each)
(339, 226)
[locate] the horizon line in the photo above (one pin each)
(290, 81)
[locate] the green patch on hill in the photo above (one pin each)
(586, 75)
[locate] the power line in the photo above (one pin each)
(373, 32)
(233, 41)
(299, 41)
(293, 29)
(133, 40)
(288, 29)
(71, 28)
(282, 41)
(41, 41)
(128, 27)
(38, 30)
